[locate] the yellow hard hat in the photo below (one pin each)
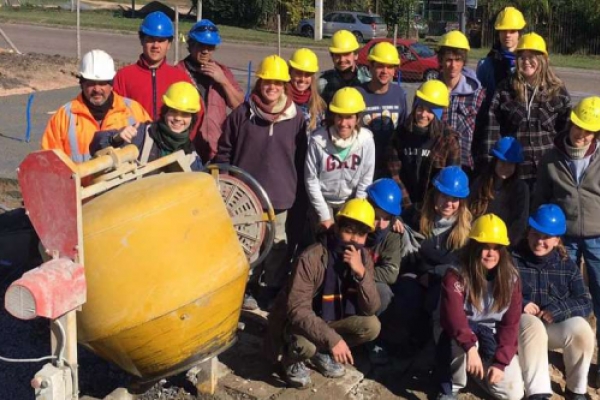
(586, 114)
(304, 60)
(273, 68)
(510, 19)
(182, 96)
(532, 41)
(359, 210)
(384, 53)
(455, 39)
(434, 92)
(489, 228)
(343, 42)
(347, 100)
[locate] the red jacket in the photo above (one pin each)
(456, 324)
(147, 85)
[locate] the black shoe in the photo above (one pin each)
(540, 396)
(326, 365)
(574, 396)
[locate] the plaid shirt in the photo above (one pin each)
(444, 151)
(553, 284)
(536, 131)
(461, 117)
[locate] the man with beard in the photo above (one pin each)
(96, 108)
(386, 102)
(148, 79)
(329, 303)
(216, 84)
(345, 73)
(466, 92)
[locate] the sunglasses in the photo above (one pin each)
(206, 28)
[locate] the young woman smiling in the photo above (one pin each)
(556, 303)
(533, 106)
(303, 87)
(167, 135)
(480, 307)
(266, 137)
(424, 144)
(341, 158)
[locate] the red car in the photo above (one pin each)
(418, 62)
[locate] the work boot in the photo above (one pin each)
(296, 375)
(378, 355)
(250, 303)
(327, 366)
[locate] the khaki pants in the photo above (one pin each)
(354, 330)
(573, 335)
(509, 388)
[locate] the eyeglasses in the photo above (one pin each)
(206, 28)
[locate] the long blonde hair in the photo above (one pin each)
(316, 104)
(460, 231)
(545, 79)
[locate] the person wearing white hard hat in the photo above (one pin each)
(96, 108)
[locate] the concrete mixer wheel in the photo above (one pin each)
(246, 212)
(250, 209)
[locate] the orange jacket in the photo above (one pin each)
(56, 136)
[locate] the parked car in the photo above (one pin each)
(364, 26)
(418, 61)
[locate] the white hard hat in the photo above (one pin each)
(97, 65)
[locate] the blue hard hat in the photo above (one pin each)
(549, 219)
(205, 32)
(452, 181)
(157, 24)
(508, 149)
(385, 194)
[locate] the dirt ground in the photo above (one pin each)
(25, 73)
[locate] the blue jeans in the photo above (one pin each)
(589, 250)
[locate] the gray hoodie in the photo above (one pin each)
(330, 180)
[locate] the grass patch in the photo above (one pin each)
(114, 21)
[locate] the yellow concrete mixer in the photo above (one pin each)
(156, 263)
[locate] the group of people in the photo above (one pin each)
(461, 220)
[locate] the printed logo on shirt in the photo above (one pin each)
(332, 163)
(419, 152)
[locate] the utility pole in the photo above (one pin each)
(460, 8)
(318, 19)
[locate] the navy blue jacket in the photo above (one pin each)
(554, 284)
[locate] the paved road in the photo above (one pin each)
(125, 47)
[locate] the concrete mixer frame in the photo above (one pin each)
(52, 175)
